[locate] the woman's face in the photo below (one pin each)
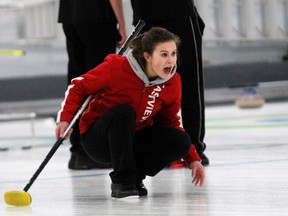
(162, 60)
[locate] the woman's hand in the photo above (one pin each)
(198, 173)
(60, 129)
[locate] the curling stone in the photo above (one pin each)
(249, 99)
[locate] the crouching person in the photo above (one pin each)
(132, 121)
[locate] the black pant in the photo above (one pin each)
(190, 31)
(112, 138)
(87, 46)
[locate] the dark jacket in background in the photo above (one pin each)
(163, 10)
(85, 11)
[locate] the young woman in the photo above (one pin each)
(133, 119)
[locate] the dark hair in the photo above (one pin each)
(148, 41)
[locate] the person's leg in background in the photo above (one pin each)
(191, 71)
(87, 46)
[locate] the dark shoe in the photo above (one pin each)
(83, 162)
(123, 190)
(204, 158)
(142, 189)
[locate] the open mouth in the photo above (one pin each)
(167, 70)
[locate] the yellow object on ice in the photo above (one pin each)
(10, 52)
(17, 198)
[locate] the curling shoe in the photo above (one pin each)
(204, 159)
(142, 190)
(124, 190)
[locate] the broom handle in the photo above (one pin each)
(134, 33)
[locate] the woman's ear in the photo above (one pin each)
(147, 56)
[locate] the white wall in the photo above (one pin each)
(244, 20)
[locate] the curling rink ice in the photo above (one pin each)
(248, 174)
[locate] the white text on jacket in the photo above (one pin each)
(151, 101)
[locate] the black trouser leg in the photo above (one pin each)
(157, 146)
(193, 105)
(111, 139)
(88, 45)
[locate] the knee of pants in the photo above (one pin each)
(180, 145)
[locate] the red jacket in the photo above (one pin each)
(115, 82)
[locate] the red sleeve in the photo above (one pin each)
(83, 86)
(191, 156)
